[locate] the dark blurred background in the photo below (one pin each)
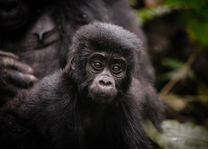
(177, 36)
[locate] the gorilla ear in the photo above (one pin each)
(72, 64)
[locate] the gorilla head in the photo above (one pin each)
(103, 61)
(16, 13)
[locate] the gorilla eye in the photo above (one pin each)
(97, 65)
(116, 69)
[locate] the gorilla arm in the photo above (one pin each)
(13, 75)
(12, 130)
(150, 105)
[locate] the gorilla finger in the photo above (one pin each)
(12, 63)
(20, 79)
(24, 68)
(8, 54)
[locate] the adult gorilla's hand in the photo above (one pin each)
(14, 76)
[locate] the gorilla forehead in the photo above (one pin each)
(107, 37)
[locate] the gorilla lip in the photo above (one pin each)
(102, 98)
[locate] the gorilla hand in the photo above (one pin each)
(14, 76)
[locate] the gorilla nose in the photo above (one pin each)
(105, 82)
(8, 5)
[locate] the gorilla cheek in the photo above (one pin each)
(102, 89)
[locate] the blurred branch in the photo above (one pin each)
(151, 3)
(181, 73)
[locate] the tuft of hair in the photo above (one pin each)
(109, 37)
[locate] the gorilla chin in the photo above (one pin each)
(102, 96)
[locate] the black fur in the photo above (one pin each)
(59, 18)
(57, 112)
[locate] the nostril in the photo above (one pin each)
(8, 6)
(105, 83)
(108, 83)
(101, 82)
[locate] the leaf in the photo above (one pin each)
(178, 103)
(187, 3)
(154, 135)
(184, 136)
(172, 63)
(197, 26)
(176, 66)
(202, 92)
(146, 14)
(132, 2)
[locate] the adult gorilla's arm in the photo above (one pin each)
(13, 76)
(22, 118)
(13, 128)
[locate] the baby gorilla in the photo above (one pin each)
(88, 105)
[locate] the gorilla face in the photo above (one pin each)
(13, 13)
(102, 61)
(107, 70)
(16, 13)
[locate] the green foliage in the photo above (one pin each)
(132, 2)
(177, 103)
(184, 136)
(172, 63)
(150, 13)
(176, 135)
(187, 3)
(154, 135)
(197, 26)
(194, 13)
(202, 92)
(175, 66)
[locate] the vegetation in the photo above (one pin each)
(177, 33)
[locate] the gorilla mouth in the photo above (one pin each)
(104, 96)
(101, 97)
(101, 94)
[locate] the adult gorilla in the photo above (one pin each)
(35, 35)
